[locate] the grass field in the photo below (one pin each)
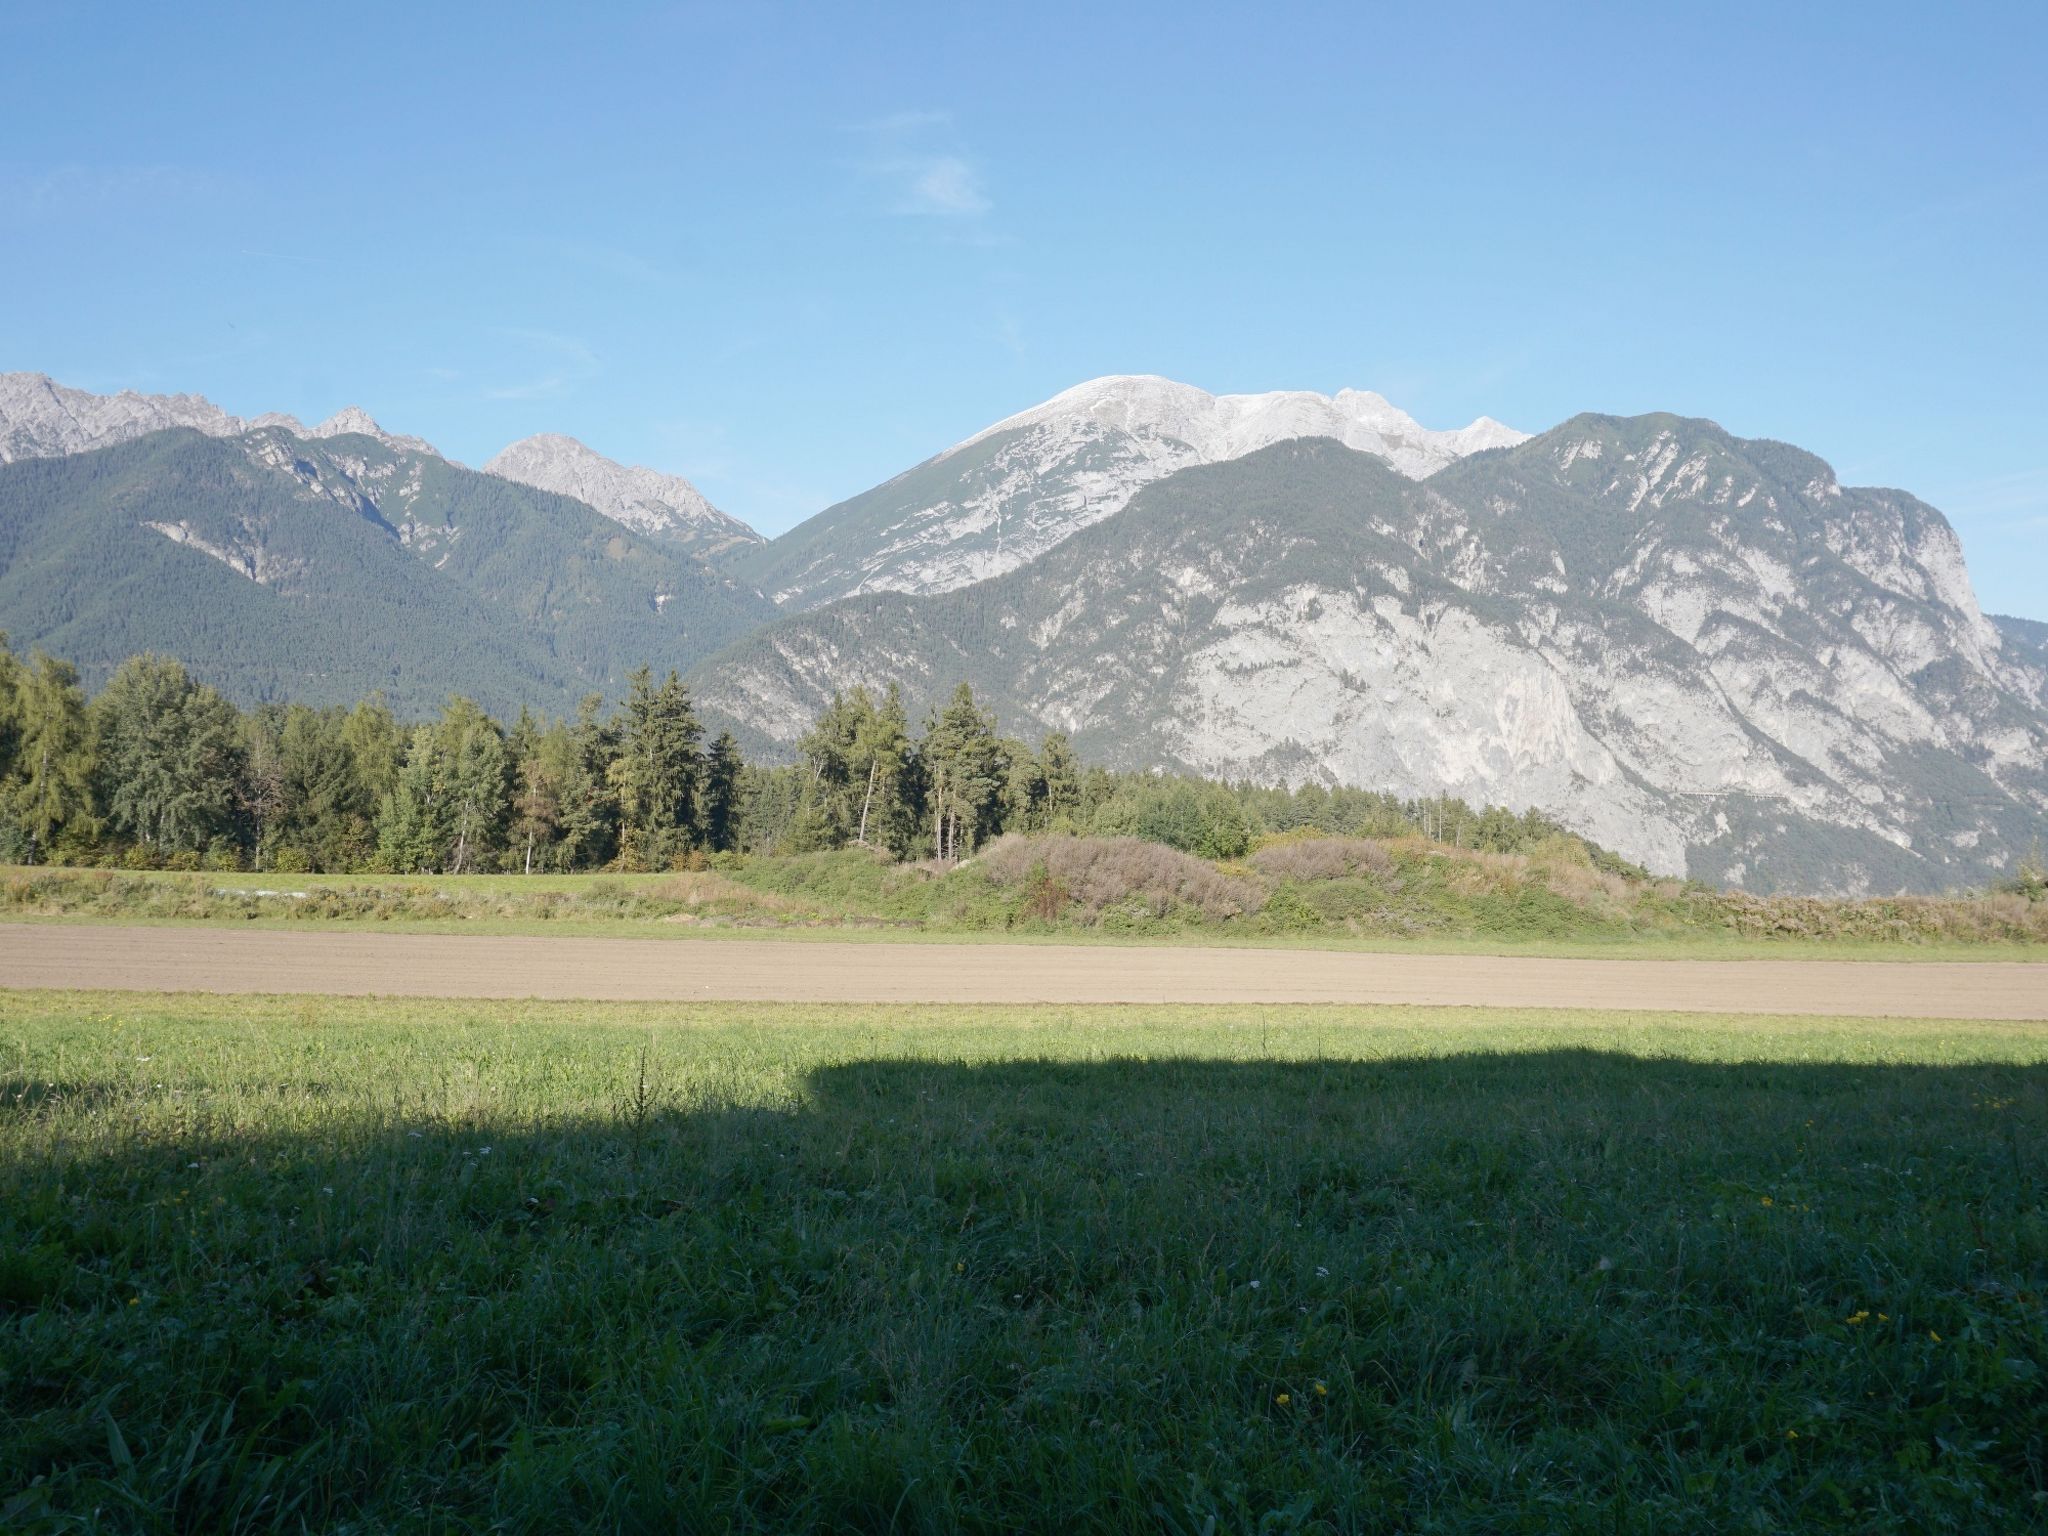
(283, 1264)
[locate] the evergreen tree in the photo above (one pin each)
(964, 772)
(375, 744)
(881, 744)
(413, 826)
(1059, 779)
(49, 788)
(655, 775)
(771, 802)
(328, 817)
(588, 824)
(10, 709)
(719, 802)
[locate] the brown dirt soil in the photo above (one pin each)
(166, 959)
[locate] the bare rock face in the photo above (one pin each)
(1701, 651)
(645, 500)
(1011, 492)
(42, 419)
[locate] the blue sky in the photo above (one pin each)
(790, 250)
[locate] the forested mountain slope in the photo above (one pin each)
(279, 567)
(1699, 650)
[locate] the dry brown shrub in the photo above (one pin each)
(1098, 873)
(1579, 883)
(1322, 858)
(1898, 919)
(1475, 873)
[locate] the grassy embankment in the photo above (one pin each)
(1345, 892)
(289, 1264)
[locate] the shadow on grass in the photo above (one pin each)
(1560, 1290)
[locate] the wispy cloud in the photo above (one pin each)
(944, 185)
(916, 163)
(568, 362)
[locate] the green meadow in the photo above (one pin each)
(291, 1264)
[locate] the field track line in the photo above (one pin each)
(368, 964)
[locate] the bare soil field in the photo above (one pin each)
(160, 959)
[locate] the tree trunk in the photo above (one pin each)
(529, 853)
(874, 764)
(42, 806)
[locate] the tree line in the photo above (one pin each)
(159, 770)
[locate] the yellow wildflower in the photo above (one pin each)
(1283, 1399)
(1321, 1390)
(1857, 1319)
(1934, 1336)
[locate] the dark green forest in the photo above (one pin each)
(159, 770)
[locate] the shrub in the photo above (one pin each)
(1322, 858)
(1099, 874)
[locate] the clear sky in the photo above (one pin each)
(790, 250)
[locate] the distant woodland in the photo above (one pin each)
(158, 770)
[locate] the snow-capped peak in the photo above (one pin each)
(1044, 474)
(1218, 427)
(643, 499)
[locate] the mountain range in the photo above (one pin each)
(1701, 650)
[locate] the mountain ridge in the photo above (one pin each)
(282, 567)
(1698, 649)
(1006, 494)
(1702, 650)
(40, 418)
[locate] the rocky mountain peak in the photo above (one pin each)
(40, 418)
(354, 421)
(1014, 490)
(645, 500)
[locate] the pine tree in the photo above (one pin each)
(589, 824)
(655, 775)
(719, 801)
(1059, 777)
(964, 769)
(413, 826)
